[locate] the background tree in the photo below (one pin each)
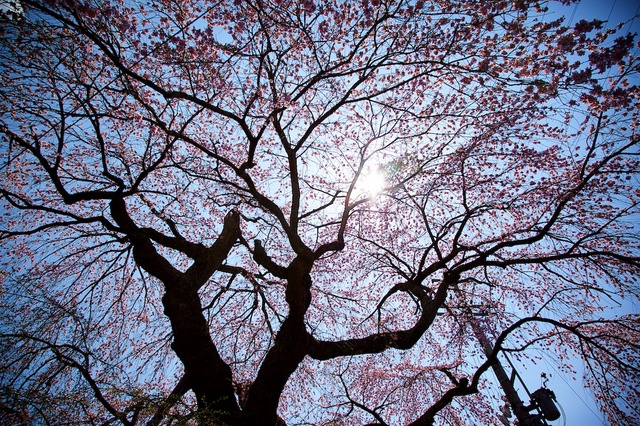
(191, 231)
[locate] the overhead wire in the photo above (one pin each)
(547, 360)
(564, 416)
(573, 14)
(610, 13)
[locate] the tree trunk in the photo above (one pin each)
(288, 351)
(210, 376)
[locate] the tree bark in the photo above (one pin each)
(288, 351)
(210, 376)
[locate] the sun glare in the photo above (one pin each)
(372, 183)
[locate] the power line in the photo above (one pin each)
(610, 12)
(573, 14)
(547, 359)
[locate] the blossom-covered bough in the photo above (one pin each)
(187, 235)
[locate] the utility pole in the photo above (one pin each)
(519, 409)
(542, 399)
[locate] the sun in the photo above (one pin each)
(372, 183)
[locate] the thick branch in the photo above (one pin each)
(210, 260)
(144, 253)
(379, 342)
(178, 391)
(289, 349)
(260, 255)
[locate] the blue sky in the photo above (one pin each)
(612, 10)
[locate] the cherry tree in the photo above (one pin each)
(272, 212)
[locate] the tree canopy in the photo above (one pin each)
(273, 212)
